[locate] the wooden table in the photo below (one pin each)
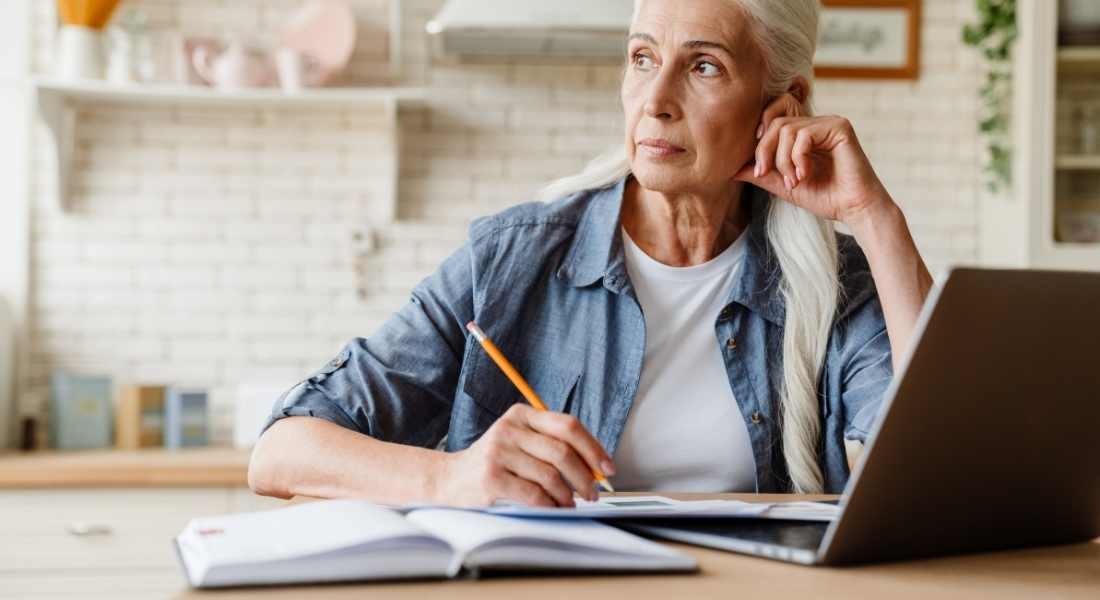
(1062, 572)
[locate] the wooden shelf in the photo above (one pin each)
(1082, 54)
(1079, 59)
(57, 102)
(1077, 162)
(154, 467)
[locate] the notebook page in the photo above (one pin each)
(300, 530)
(469, 530)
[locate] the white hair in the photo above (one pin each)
(804, 244)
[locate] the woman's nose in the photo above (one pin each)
(661, 99)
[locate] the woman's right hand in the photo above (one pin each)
(526, 456)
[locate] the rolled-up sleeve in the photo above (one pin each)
(867, 372)
(398, 384)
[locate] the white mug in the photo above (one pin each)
(296, 70)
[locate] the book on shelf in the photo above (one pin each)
(81, 412)
(139, 420)
(185, 418)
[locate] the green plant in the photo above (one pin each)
(993, 35)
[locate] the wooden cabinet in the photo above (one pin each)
(96, 529)
(1056, 180)
(125, 522)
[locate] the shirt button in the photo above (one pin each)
(731, 344)
(756, 418)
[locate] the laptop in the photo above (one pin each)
(989, 436)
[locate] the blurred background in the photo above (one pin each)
(201, 201)
(204, 200)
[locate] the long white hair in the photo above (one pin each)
(805, 245)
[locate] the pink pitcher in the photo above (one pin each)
(236, 68)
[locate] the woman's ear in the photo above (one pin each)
(800, 89)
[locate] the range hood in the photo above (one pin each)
(547, 28)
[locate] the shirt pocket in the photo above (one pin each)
(491, 391)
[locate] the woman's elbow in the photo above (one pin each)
(263, 468)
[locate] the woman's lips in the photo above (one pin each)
(659, 148)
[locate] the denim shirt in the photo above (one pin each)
(547, 282)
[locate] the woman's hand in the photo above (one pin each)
(817, 163)
(813, 162)
(526, 456)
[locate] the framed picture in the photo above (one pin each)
(869, 39)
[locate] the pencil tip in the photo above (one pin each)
(605, 484)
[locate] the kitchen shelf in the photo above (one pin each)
(1077, 162)
(57, 102)
(151, 467)
(1079, 59)
(195, 95)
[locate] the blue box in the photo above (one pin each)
(81, 411)
(185, 418)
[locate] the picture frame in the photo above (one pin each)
(869, 39)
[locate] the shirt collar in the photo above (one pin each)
(597, 253)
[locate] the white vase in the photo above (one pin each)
(79, 53)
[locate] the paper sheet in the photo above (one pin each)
(660, 506)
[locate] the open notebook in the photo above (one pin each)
(348, 540)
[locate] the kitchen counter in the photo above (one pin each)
(155, 467)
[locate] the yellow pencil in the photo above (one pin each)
(522, 386)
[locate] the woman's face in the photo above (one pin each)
(692, 95)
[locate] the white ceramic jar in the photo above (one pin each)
(79, 53)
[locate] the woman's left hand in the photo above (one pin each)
(813, 162)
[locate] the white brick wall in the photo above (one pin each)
(212, 246)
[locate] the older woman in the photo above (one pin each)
(684, 306)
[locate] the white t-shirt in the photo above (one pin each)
(684, 432)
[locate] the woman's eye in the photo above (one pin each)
(707, 69)
(642, 61)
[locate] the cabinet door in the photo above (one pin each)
(98, 528)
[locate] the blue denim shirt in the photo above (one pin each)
(547, 282)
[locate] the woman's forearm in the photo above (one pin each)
(901, 278)
(305, 456)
